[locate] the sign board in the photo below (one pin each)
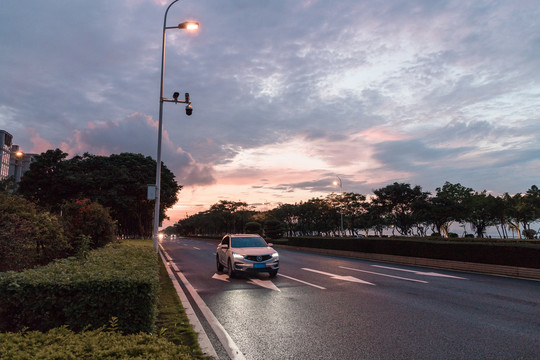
(151, 192)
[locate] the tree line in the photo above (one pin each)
(397, 208)
(118, 182)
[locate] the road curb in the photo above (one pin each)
(501, 270)
(202, 337)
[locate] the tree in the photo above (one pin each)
(317, 216)
(46, 182)
(8, 185)
(520, 212)
(273, 228)
(118, 182)
(399, 203)
(354, 207)
(85, 220)
(374, 218)
(227, 212)
(481, 212)
(287, 214)
(28, 236)
(449, 204)
(253, 227)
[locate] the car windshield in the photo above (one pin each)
(248, 242)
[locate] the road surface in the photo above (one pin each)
(325, 307)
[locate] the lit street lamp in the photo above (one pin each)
(18, 166)
(188, 26)
(341, 207)
(16, 160)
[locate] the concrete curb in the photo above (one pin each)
(204, 342)
(501, 270)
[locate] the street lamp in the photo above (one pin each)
(341, 207)
(18, 166)
(188, 26)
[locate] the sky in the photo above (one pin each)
(287, 95)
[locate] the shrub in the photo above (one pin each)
(84, 217)
(117, 281)
(529, 233)
(28, 237)
(61, 343)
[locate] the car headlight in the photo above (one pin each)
(275, 256)
(237, 256)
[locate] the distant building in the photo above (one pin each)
(6, 140)
(14, 162)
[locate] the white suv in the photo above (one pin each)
(246, 252)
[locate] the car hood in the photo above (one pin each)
(254, 250)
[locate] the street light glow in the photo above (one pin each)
(19, 153)
(189, 25)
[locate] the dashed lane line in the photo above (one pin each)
(302, 281)
(390, 276)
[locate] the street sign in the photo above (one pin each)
(151, 195)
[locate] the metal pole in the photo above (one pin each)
(160, 130)
(341, 207)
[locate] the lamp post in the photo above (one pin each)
(18, 166)
(17, 158)
(188, 26)
(341, 207)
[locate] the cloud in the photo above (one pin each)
(290, 92)
(134, 134)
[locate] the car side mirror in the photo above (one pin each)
(224, 246)
(270, 244)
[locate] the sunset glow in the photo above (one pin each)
(285, 98)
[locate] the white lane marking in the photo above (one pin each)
(232, 350)
(420, 272)
(339, 277)
(390, 276)
(196, 248)
(204, 341)
(267, 284)
(303, 282)
(222, 277)
(264, 283)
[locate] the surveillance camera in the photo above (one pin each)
(189, 110)
(175, 96)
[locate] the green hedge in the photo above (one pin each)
(117, 281)
(61, 343)
(523, 255)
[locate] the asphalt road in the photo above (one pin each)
(324, 307)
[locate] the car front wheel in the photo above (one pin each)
(230, 269)
(218, 265)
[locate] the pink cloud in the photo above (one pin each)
(39, 144)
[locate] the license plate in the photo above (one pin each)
(259, 266)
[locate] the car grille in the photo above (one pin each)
(258, 258)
